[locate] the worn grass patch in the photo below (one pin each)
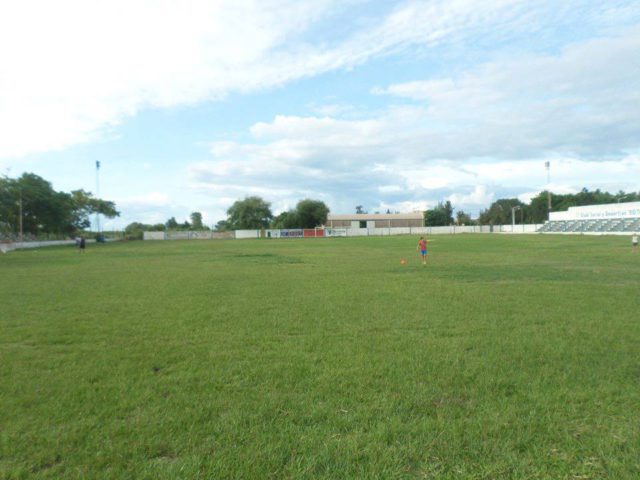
(505, 357)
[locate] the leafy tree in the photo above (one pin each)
(311, 213)
(440, 215)
(43, 209)
(538, 209)
(250, 213)
(46, 210)
(8, 204)
(627, 197)
(463, 218)
(499, 213)
(83, 205)
(135, 230)
(196, 221)
(307, 214)
(286, 219)
(360, 209)
(222, 226)
(172, 224)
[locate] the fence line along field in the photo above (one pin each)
(505, 357)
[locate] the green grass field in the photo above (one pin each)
(506, 357)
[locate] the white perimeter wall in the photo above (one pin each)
(154, 236)
(49, 243)
(363, 232)
(596, 212)
(350, 232)
(188, 235)
(374, 232)
(240, 234)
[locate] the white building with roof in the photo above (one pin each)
(375, 220)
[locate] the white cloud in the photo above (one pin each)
(306, 160)
(584, 101)
(403, 206)
(481, 134)
(76, 69)
(479, 197)
(71, 69)
(516, 109)
(390, 189)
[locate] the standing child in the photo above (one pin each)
(634, 242)
(422, 247)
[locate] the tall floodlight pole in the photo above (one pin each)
(98, 195)
(547, 165)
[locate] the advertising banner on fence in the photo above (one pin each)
(295, 233)
(313, 232)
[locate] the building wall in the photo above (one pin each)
(597, 212)
(399, 223)
(154, 236)
(339, 223)
(377, 223)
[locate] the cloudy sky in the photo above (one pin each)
(191, 105)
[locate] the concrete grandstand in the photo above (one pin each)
(613, 218)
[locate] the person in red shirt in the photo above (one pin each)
(422, 247)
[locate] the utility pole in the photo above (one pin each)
(547, 165)
(97, 197)
(513, 217)
(20, 216)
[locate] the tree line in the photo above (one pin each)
(29, 204)
(505, 210)
(135, 230)
(31, 201)
(537, 210)
(255, 212)
(247, 214)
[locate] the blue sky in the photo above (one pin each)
(396, 105)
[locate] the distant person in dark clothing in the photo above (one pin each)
(82, 244)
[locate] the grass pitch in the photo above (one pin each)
(505, 357)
